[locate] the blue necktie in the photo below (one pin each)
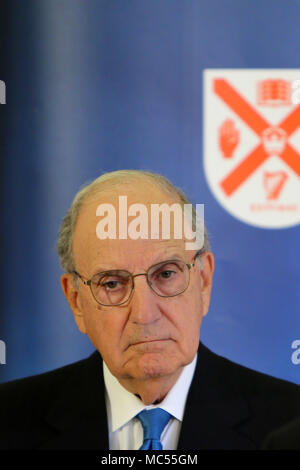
(153, 422)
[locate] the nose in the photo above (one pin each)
(145, 304)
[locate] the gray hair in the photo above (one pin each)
(67, 228)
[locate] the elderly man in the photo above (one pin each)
(150, 383)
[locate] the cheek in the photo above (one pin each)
(194, 312)
(191, 336)
(187, 321)
(191, 330)
(102, 327)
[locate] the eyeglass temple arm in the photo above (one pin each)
(87, 283)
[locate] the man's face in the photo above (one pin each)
(149, 336)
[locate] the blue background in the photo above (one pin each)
(100, 85)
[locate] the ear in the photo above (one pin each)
(208, 266)
(73, 297)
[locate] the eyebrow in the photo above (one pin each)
(160, 259)
(174, 256)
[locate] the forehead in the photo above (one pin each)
(92, 254)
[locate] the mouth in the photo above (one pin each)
(148, 342)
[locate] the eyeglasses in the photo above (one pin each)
(113, 288)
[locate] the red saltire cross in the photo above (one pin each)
(258, 124)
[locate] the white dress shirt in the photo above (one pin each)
(125, 431)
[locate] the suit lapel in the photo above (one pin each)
(78, 415)
(214, 408)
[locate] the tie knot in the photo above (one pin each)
(153, 422)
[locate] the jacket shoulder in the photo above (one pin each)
(268, 398)
(252, 381)
(254, 402)
(29, 397)
(246, 379)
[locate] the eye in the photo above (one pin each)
(111, 285)
(167, 274)
(111, 280)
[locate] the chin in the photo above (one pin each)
(152, 366)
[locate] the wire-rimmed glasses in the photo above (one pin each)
(114, 287)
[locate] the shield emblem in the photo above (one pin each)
(252, 144)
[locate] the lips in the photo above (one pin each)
(149, 341)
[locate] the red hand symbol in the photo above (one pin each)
(229, 138)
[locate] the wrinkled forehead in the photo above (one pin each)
(119, 209)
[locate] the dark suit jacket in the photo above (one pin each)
(228, 407)
(285, 438)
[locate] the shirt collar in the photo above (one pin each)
(122, 405)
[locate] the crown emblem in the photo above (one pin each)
(274, 140)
